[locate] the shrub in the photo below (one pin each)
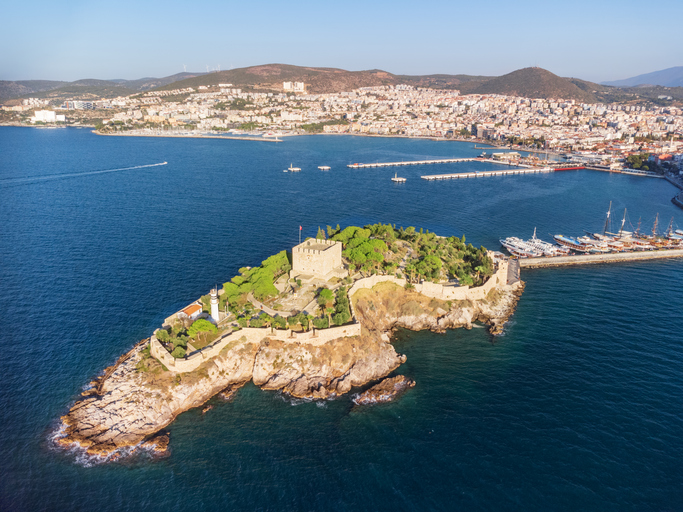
(178, 352)
(180, 341)
(163, 336)
(257, 321)
(341, 318)
(321, 323)
(279, 322)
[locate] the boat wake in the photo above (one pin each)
(48, 177)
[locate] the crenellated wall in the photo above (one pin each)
(250, 335)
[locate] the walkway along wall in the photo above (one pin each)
(248, 335)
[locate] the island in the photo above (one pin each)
(314, 323)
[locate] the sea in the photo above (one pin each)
(577, 406)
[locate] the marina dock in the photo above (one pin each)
(588, 259)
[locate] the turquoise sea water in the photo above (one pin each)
(577, 406)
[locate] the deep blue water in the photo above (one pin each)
(576, 407)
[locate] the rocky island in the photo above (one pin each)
(315, 325)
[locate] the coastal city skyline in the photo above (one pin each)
(440, 37)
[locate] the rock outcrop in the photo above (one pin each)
(386, 391)
(387, 306)
(140, 397)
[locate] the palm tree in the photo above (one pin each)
(328, 312)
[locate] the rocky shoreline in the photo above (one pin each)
(136, 398)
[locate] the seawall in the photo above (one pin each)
(588, 259)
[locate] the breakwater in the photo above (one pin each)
(587, 259)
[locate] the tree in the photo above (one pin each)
(201, 325)
(279, 322)
(325, 297)
(163, 336)
(321, 234)
(178, 352)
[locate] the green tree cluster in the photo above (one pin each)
(176, 339)
(302, 319)
(258, 280)
(365, 248)
(319, 127)
(342, 310)
(435, 254)
(638, 161)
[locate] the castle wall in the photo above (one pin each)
(322, 336)
(440, 291)
(248, 335)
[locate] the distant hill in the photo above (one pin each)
(317, 80)
(9, 89)
(672, 77)
(534, 83)
(85, 89)
(88, 89)
(144, 84)
(528, 82)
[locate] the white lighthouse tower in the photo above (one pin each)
(214, 305)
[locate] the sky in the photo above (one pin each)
(595, 40)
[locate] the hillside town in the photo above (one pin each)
(645, 136)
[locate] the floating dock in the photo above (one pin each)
(588, 259)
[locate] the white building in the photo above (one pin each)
(47, 116)
(291, 116)
(294, 86)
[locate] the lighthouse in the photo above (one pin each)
(214, 305)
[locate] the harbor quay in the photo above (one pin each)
(587, 259)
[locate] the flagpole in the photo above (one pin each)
(299, 235)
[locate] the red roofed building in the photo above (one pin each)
(192, 311)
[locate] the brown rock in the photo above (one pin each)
(229, 393)
(386, 391)
(158, 443)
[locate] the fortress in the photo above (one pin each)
(317, 259)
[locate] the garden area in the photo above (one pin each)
(417, 255)
(198, 334)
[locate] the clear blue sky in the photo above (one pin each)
(594, 40)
